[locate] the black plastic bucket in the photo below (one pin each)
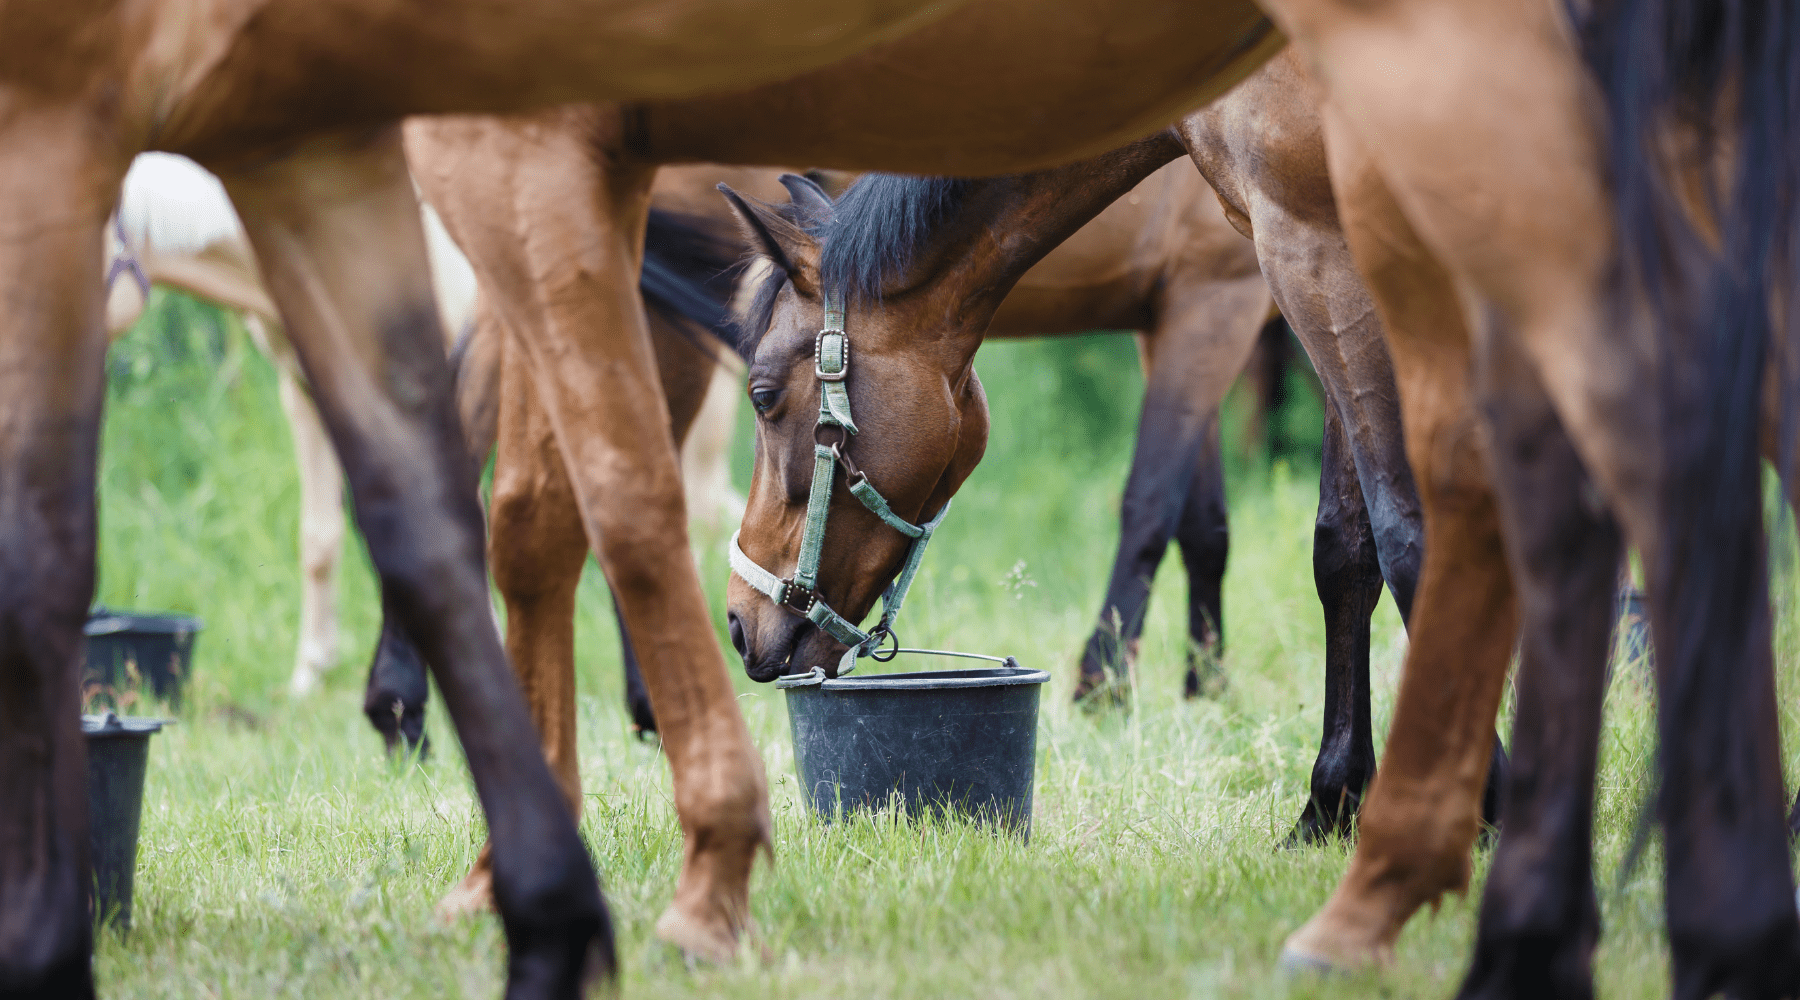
(118, 750)
(158, 648)
(957, 741)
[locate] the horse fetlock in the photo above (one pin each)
(559, 938)
(711, 909)
(65, 977)
(1746, 950)
(1557, 966)
(1381, 891)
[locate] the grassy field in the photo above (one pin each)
(283, 856)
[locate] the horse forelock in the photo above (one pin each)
(171, 205)
(880, 225)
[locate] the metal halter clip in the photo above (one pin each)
(840, 356)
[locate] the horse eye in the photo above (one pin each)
(763, 399)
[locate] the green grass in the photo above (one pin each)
(283, 856)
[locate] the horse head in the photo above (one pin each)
(869, 417)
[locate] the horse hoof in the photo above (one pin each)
(1294, 962)
(698, 940)
(474, 895)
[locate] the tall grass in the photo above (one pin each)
(282, 855)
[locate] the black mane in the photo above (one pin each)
(688, 276)
(880, 225)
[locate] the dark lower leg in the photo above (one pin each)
(395, 697)
(46, 582)
(1540, 919)
(336, 229)
(52, 350)
(1163, 464)
(1204, 537)
(1348, 576)
(1729, 885)
(637, 698)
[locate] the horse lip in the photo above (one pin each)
(763, 668)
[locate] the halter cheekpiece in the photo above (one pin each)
(799, 593)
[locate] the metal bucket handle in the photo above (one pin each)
(817, 676)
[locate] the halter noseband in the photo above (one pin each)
(799, 593)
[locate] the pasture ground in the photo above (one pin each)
(283, 856)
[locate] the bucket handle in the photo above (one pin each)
(816, 675)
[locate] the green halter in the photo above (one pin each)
(799, 593)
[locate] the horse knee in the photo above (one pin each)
(321, 548)
(536, 540)
(637, 534)
(1344, 558)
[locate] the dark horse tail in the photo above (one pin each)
(690, 271)
(1691, 85)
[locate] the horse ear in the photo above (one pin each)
(812, 201)
(786, 245)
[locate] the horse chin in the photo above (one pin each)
(816, 649)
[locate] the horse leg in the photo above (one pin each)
(321, 514)
(1540, 918)
(1199, 345)
(536, 550)
(1348, 577)
(397, 690)
(554, 225)
(1314, 280)
(336, 228)
(477, 360)
(56, 196)
(1162, 470)
(1204, 539)
(637, 697)
(1422, 812)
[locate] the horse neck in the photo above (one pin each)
(1009, 224)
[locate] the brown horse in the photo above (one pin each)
(920, 268)
(295, 107)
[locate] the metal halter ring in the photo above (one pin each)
(885, 635)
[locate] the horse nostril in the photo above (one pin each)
(738, 642)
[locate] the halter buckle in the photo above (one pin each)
(796, 598)
(840, 357)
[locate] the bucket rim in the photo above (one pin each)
(109, 621)
(107, 724)
(932, 680)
